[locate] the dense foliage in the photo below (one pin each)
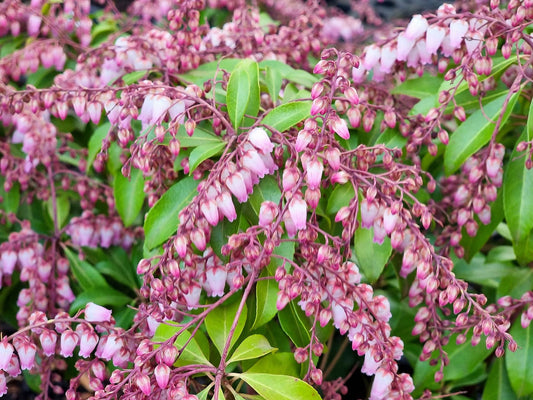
(216, 199)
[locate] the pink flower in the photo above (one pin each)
(434, 37)
(389, 221)
(302, 140)
(339, 127)
(226, 206)
(298, 212)
(381, 384)
(404, 46)
(458, 29)
(372, 54)
(69, 340)
(210, 210)
(370, 366)
(94, 109)
(88, 341)
(143, 383)
(192, 297)
(108, 346)
(8, 260)
(162, 375)
(6, 351)
(216, 279)
(96, 313)
(314, 173)
(259, 138)
(388, 57)
(237, 186)
(369, 212)
(253, 162)
(48, 341)
(416, 28)
(26, 352)
(267, 213)
(382, 308)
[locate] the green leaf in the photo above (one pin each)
(420, 87)
(301, 77)
(129, 195)
(279, 363)
(86, 275)
(517, 205)
(340, 197)
(498, 386)
(516, 283)
(134, 76)
(295, 324)
(11, 199)
(266, 296)
(274, 80)
(519, 363)
(162, 219)
(62, 207)
(243, 92)
(279, 387)
(202, 153)
(371, 257)
(95, 142)
(101, 295)
(287, 115)
(253, 346)
(267, 189)
(191, 352)
(219, 322)
(475, 132)
(199, 137)
(529, 136)
(208, 71)
(482, 273)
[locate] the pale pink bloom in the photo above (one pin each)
(267, 213)
(180, 244)
(8, 260)
(26, 352)
(333, 157)
(198, 238)
(143, 383)
(269, 163)
(210, 210)
(13, 368)
(34, 25)
(458, 29)
(359, 73)
(226, 206)
(26, 257)
(314, 173)
(162, 375)
(382, 308)
(88, 342)
(379, 231)
(290, 178)
(416, 28)
(302, 140)
(445, 10)
(147, 110)
(434, 37)
(64, 290)
(192, 297)
(121, 358)
(298, 212)
(48, 341)
(177, 112)
(108, 346)
(216, 279)
(96, 313)
(473, 42)
(389, 221)
(6, 351)
(237, 186)
(259, 138)
(381, 384)
(339, 126)
(289, 225)
(372, 54)
(404, 46)
(370, 365)
(388, 57)
(69, 340)
(3, 384)
(339, 312)
(160, 107)
(94, 109)
(369, 212)
(425, 57)
(253, 162)
(485, 215)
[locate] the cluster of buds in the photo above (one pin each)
(103, 231)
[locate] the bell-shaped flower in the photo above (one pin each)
(69, 340)
(372, 54)
(381, 385)
(298, 212)
(259, 138)
(96, 313)
(458, 29)
(6, 351)
(267, 213)
(434, 37)
(404, 46)
(416, 28)
(216, 279)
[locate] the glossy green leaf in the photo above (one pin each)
(295, 324)
(516, 283)
(253, 346)
(11, 199)
(266, 295)
(202, 153)
(273, 80)
(62, 208)
(419, 87)
(191, 352)
(302, 77)
(199, 137)
(340, 197)
(134, 76)
(498, 386)
(129, 195)
(480, 272)
(279, 387)
(86, 275)
(519, 363)
(267, 189)
(517, 205)
(475, 132)
(101, 295)
(162, 219)
(371, 257)
(95, 142)
(243, 92)
(287, 115)
(277, 363)
(209, 70)
(218, 324)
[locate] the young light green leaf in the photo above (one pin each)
(203, 152)
(295, 324)
(287, 115)
(498, 386)
(276, 363)
(279, 387)
(301, 77)
(253, 346)
(519, 363)
(371, 257)
(340, 197)
(218, 324)
(476, 131)
(86, 275)
(207, 71)
(162, 219)
(95, 142)
(517, 205)
(191, 352)
(243, 92)
(129, 195)
(273, 80)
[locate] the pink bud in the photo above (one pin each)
(237, 186)
(3, 384)
(493, 166)
(198, 238)
(180, 244)
(6, 351)
(298, 212)
(259, 138)
(8, 260)
(162, 375)
(314, 173)
(339, 126)
(79, 103)
(95, 111)
(48, 341)
(351, 95)
(416, 28)
(342, 214)
(210, 211)
(267, 213)
(302, 140)
(108, 346)
(225, 205)
(253, 162)
(96, 313)
(69, 340)
(34, 24)
(143, 382)
(389, 221)
(369, 212)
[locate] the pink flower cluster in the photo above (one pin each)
(91, 230)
